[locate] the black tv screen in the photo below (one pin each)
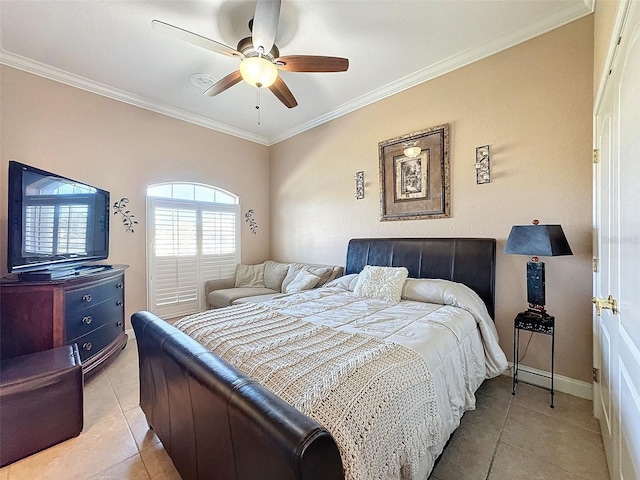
(54, 221)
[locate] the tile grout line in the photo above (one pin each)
(536, 412)
(495, 450)
(126, 421)
(128, 429)
(146, 468)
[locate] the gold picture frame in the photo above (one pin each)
(414, 175)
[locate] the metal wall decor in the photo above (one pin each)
(359, 178)
(414, 175)
(248, 217)
(127, 216)
(483, 165)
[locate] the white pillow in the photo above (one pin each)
(249, 276)
(346, 282)
(382, 283)
(295, 268)
(304, 280)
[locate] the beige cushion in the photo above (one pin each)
(250, 276)
(304, 280)
(382, 283)
(321, 272)
(274, 273)
(257, 298)
(224, 298)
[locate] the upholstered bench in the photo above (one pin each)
(40, 401)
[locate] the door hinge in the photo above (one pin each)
(596, 155)
(595, 265)
(596, 375)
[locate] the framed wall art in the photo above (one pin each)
(414, 175)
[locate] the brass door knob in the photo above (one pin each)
(609, 303)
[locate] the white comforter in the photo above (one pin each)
(446, 323)
(428, 304)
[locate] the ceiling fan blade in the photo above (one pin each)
(282, 92)
(221, 85)
(265, 24)
(310, 63)
(195, 39)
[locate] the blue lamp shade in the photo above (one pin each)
(538, 241)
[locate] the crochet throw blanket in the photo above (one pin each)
(376, 398)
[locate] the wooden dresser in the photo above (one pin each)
(87, 309)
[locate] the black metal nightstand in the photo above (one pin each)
(536, 322)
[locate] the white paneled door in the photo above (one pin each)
(617, 248)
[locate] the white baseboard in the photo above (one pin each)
(130, 333)
(561, 383)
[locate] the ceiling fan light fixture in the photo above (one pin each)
(258, 71)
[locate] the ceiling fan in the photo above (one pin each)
(260, 57)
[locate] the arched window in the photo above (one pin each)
(194, 236)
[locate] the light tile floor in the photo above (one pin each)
(520, 437)
(505, 438)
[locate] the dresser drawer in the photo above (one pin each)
(93, 343)
(93, 294)
(41, 315)
(81, 322)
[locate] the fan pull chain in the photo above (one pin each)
(258, 106)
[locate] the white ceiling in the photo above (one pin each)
(109, 47)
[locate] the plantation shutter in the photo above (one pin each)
(73, 222)
(190, 243)
(56, 228)
(219, 252)
(39, 229)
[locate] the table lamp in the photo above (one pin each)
(537, 241)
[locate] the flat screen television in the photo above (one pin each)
(54, 223)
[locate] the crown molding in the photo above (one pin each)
(590, 4)
(52, 73)
(563, 17)
(572, 12)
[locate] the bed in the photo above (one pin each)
(380, 403)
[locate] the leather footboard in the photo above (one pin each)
(217, 423)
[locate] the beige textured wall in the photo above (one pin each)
(123, 149)
(533, 105)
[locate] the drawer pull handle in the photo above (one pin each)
(86, 298)
(120, 285)
(119, 303)
(119, 324)
(86, 346)
(87, 320)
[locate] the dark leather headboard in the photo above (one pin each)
(471, 261)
